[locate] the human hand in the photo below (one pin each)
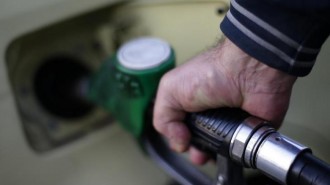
(223, 76)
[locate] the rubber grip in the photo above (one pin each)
(213, 129)
(309, 170)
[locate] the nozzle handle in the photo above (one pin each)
(212, 130)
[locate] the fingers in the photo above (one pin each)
(191, 87)
(178, 135)
(168, 118)
(197, 157)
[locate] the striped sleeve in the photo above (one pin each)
(284, 36)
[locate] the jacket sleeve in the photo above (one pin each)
(286, 35)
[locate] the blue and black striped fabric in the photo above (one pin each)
(284, 34)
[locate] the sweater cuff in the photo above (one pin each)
(277, 36)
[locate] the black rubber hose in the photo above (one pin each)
(309, 170)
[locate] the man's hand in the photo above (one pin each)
(224, 76)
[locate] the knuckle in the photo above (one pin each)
(158, 126)
(165, 81)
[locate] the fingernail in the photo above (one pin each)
(179, 144)
(177, 147)
(179, 137)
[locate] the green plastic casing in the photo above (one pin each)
(125, 93)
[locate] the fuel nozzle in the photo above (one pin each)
(254, 143)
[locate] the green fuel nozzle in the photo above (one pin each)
(127, 82)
